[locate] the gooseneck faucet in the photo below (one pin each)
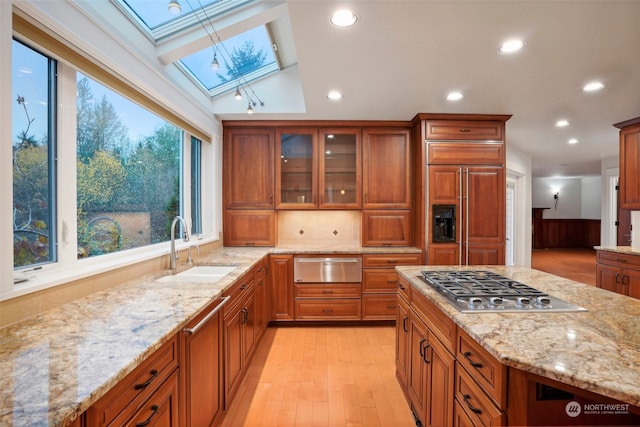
(173, 256)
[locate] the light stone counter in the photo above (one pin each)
(56, 365)
(619, 249)
(597, 350)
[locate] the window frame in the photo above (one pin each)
(68, 267)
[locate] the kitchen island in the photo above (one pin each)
(595, 351)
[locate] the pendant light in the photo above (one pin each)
(215, 65)
(249, 109)
(238, 95)
(174, 7)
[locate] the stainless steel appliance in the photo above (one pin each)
(479, 291)
(327, 270)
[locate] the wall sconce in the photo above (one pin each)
(556, 197)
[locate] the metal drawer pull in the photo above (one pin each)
(191, 331)
(422, 341)
(465, 130)
(154, 408)
(467, 398)
(327, 310)
(392, 281)
(404, 324)
(327, 291)
(467, 355)
(391, 306)
(424, 355)
(327, 261)
(142, 386)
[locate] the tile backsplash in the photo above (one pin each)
(319, 228)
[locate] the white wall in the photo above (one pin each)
(519, 171)
(578, 198)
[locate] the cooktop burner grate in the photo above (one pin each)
(478, 283)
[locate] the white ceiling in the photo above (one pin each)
(402, 57)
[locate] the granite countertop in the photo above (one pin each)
(597, 350)
(619, 249)
(56, 365)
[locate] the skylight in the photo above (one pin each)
(242, 58)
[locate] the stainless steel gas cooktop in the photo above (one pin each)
(479, 291)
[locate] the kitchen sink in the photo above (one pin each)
(200, 273)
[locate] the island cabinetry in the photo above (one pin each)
(380, 284)
(629, 185)
(248, 187)
(481, 384)
(149, 392)
(402, 336)
(239, 333)
(618, 272)
(387, 187)
(201, 364)
(318, 168)
(281, 287)
(430, 379)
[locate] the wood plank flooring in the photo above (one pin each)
(574, 264)
(322, 376)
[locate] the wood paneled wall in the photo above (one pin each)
(565, 233)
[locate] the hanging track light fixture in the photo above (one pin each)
(241, 81)
(174, 7)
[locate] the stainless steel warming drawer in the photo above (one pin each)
(327, 270)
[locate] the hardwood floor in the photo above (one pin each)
(322, 376)
(574, 264)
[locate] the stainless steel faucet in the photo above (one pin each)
(173, 256)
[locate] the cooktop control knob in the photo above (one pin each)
(543, 302)
(475, 303)
(495, 301)
(522, 302)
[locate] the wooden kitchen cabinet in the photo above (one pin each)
(386, 228)
(464, 130)
(239, 334)
(318, 168)
(618, 272)
(387, 168)
(153, 384)
(281, 287)
(402, 340)
(629, 184)
(249, 227)
(262, 288)
(247, 167)
(380, 284)
(201, 365)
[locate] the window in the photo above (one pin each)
(33, 126)
(128, 176)
(196, 190)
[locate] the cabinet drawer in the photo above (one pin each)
(483, 367)
(162, 407)
(621, 260)
(380, 281)
(121, 401)
(404, 288)
(328, 291)
(458, 153)
(240, 288)
(439, 323)
(390, 260)
(327, 309)
(464, 130)
(379, 307)
(475, 403)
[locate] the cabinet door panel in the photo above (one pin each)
(441, 366)
(418, 375)
(249, 228)
(387, 169)
(386, 228)
(632, 283)
(485, 213)
(630, 168)
(608, 277)
(402, 341)
(340, 167)
(233, 354)
(296, 168)
(282, 287)
(248, 169)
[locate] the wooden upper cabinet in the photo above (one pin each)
(248, 178)
(629, 164)
(386, 169)
(318, 168)
(462, 130)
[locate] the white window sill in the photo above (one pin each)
(56, 274)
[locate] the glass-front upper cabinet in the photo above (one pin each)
(318, 168)
(340, 185)
(296, 168)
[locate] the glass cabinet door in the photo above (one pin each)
(296, 168)
(340, 166)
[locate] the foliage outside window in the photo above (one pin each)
(128, 172)
(33, 153)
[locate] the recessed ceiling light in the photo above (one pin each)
(343, 18)
(572, 141)
(334, 95)
(454, 96)
(511, 46)
(593, 86)
(562, 123)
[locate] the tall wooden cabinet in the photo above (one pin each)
(248, 187)
(466, 188)
(629, 164)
